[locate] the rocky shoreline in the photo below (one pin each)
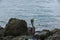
(16, 29)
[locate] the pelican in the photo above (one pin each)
(32, 22)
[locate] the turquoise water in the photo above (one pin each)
(46, 13)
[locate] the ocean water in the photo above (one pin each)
(46, 13)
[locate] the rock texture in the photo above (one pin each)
(7, 38)
(55, 36)
(43, 34)
(2, 31)
(16, 27)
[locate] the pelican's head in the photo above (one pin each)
(32, 20)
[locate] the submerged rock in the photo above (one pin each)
(16, 27)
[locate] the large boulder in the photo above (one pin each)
(16, 27)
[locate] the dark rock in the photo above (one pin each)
(55, 30)
(16, 27)
(55, 36)
(2, 31)
(7, 38)
(42, 34)
(18, 38)
(25, 37)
